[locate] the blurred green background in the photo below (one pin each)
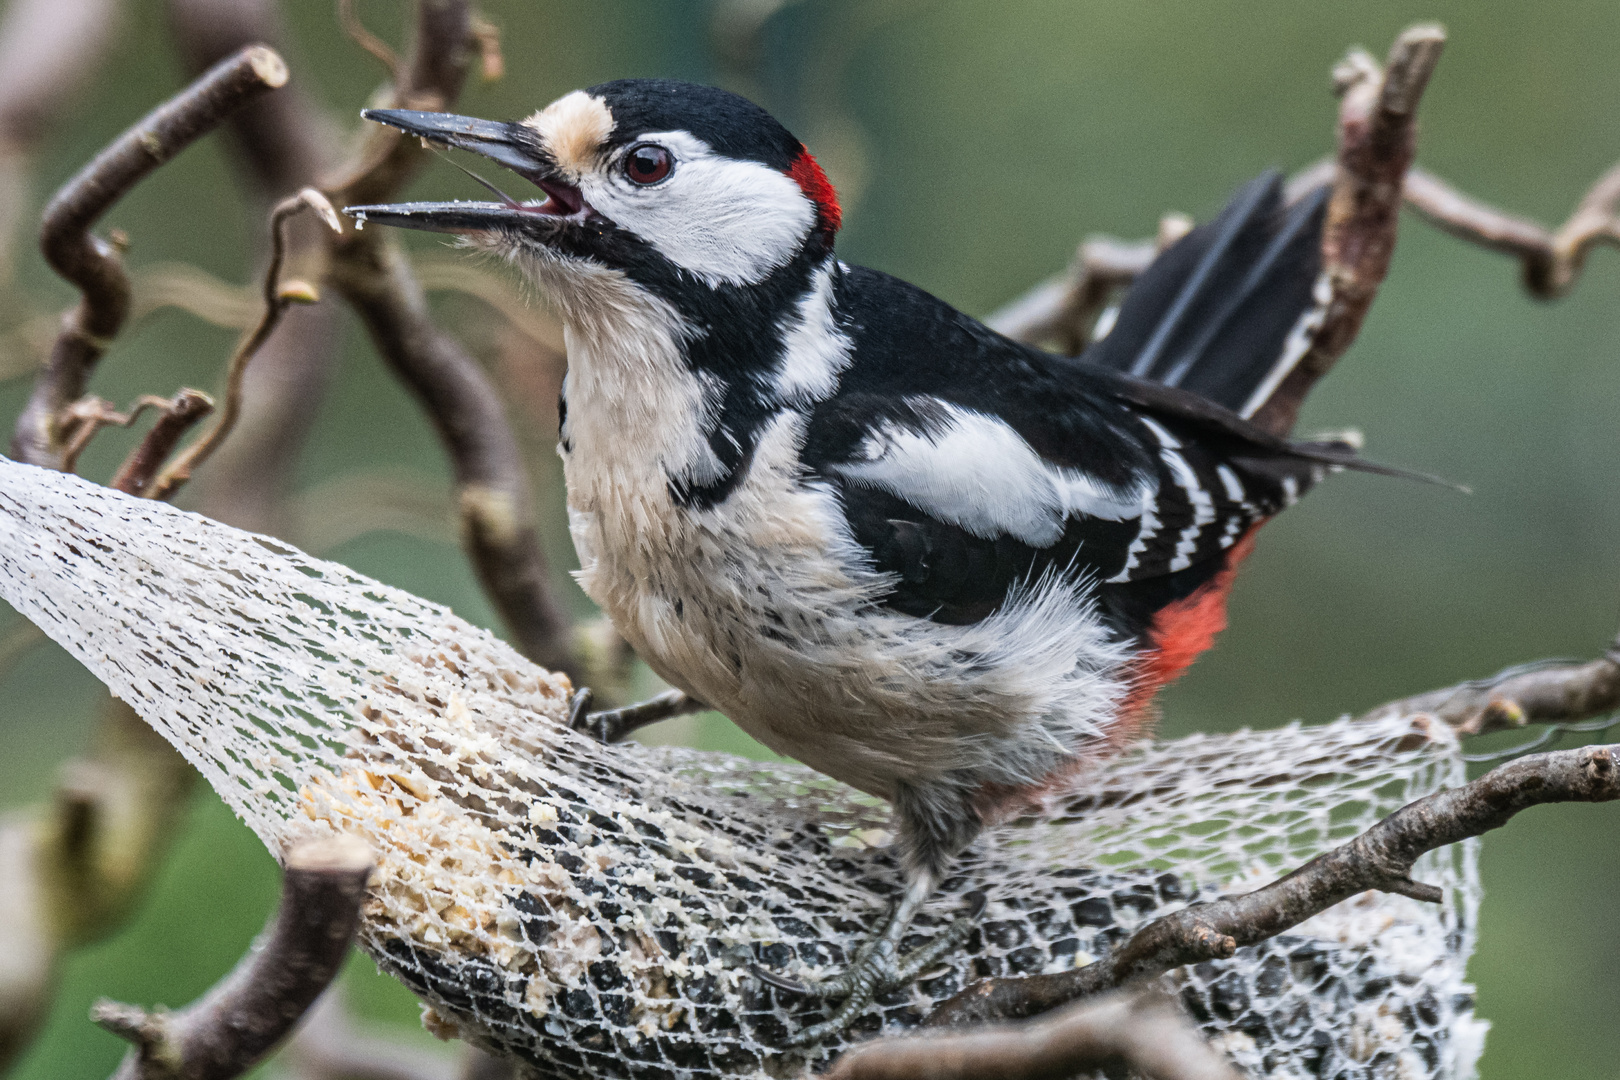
(976, 144)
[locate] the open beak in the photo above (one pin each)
(506, 143)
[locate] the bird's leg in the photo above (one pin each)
(614, 725)
(878, 965)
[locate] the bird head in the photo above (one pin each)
(673, 185)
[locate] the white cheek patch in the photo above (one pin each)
(728, 222)
(979, 474)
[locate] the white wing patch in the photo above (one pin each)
(977, 473)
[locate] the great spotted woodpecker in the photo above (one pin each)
(936, 564)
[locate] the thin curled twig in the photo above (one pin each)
(1144, 1032)
(349, 19)
(278, 295)
(93, 264)
(1380, 858)
(247, 1013)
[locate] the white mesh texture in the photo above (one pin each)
(593, 910)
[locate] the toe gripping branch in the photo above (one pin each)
(878, 966)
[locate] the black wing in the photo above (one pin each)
(966, 462)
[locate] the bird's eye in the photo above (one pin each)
(648, 164)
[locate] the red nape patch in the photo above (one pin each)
(818, 189)
(1180, 632)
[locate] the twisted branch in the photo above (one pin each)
(246, 1014)
(48, 48)
(372, 273)
(280, 143)
(92, 263)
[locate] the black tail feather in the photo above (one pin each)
(1216, 313)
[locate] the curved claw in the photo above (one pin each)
(579, 707)
(781, 982)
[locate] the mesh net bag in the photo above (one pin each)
(592, 911)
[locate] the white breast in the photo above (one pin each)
(764, 606)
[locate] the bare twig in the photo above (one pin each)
(91, 263)
(278, 295)
(1543, 693)
(1377, 139)
(373, 275)
(349, 19)
(81, 420)
(1062, 311)
(178, 415)
(1380, 858)
(1551, 259)
(430, 79)
(493, 495)
(242, 1018)
(1144, 1032)
(280, 143)
(194, 291)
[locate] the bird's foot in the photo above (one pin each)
(878, 967)
(615, 725)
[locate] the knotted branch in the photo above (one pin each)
(237, 1023)
(92, 263)
(1380, 858)
(1377, 140)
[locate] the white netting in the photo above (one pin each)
(593, 911)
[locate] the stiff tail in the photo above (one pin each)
(1227, 311)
